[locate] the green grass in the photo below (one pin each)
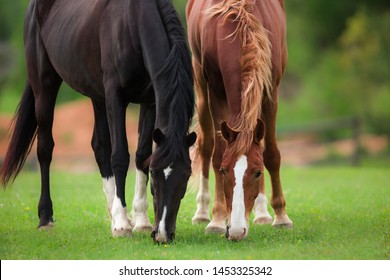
(338, 213)
(9, 100)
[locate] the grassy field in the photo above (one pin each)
(339, 213)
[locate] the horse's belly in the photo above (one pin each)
(82, 74)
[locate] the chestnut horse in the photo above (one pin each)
(115, 52)
(239, 56)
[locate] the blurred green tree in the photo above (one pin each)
(339, 51)
(339, 55)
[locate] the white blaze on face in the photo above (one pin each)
(168, 171)
(162, 231)
(237, 221)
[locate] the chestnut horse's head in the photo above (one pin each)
(241, 169)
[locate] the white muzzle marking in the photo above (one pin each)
(162, 235)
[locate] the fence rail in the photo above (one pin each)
(353, 124)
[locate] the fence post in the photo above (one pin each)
(356, 131)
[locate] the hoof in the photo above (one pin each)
(283, 222)
(141, 223)
(200, 219)
(217, 228)
(143, 228)
(47, 226)
(122, 233)
(262, 221)
(287, 226)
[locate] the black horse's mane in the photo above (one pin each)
(178, 100)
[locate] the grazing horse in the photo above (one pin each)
(115, 52)
(239, 56)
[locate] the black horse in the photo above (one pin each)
(115, 52)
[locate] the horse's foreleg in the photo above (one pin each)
(202, 202)
(120, 158)
(272, 163)
(140, 205)
(260, 209)
(205, 146)
(144, 150)
(101, 145)
(220, 112)
(218, 223)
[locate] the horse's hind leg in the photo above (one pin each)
(45, 93)
(45, 98)
(205, 146)
(272, 163)
(144, 150)
(45, 83)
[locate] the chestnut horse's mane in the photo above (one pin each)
(256, 73)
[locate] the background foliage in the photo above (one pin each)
(339, 55)
(339, 61)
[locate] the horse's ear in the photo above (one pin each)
(190, 139)
(158, 136)
(259, 131)
(229, 134)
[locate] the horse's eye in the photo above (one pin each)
(258, 174)
(223, 172)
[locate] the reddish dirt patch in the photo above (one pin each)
(301, 150)
(72, 132)
(73, 126)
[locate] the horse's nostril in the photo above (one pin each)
(243, 234)
(153, 234)
(227, 231)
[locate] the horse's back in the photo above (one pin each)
(90, 42)
(209, 36)
(68, 33)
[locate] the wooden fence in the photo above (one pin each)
(352, 124)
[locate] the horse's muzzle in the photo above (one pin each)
(160, 239)
(235, 234)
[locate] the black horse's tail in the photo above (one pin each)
(24, 132)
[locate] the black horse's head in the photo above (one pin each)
(170, 170)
